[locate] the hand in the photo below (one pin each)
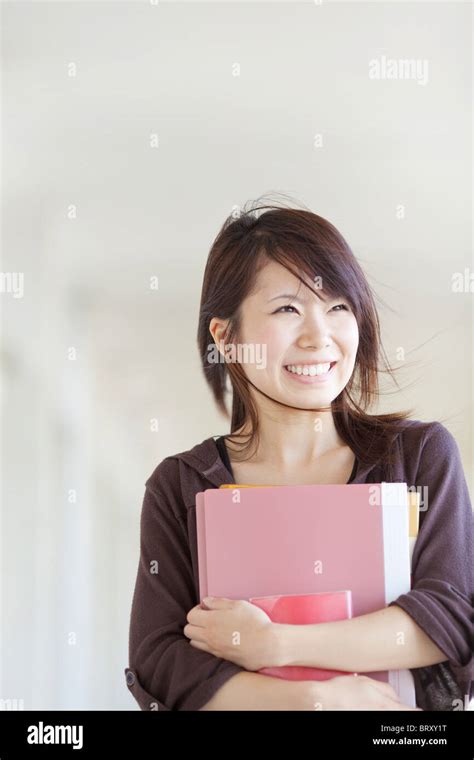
(233, 629)
(357, 693)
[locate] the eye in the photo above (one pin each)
(295, 311)
(288, 306)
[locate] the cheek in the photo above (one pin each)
(269, 345)
(269, 336)
(275, 343)
(350, 336)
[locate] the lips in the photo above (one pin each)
(310, 379)
(310, 364)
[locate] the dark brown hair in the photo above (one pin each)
(301, 241)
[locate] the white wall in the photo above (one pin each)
(68, 569)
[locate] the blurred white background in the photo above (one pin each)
(237, 95)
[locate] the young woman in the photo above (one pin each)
(285, 288)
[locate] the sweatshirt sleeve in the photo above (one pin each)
(442, 592)
(165, 671)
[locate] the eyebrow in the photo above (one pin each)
(285, 295)
(290, 296)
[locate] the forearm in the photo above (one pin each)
(254, 691)
(388, 639)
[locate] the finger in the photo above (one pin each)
(196, 616)
(199, 645)
(194, 632)
(219, 602)
(381, 686)
(394, 703)
(386, 689)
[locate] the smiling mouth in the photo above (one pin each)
(310, 370)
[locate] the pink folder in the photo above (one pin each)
(306, 539)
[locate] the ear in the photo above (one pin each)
(217, 328)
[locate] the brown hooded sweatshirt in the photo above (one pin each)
(166, 673)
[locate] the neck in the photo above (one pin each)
(290, 439)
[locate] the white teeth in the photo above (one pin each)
(309, 369)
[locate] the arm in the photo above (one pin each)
(166, 672)
(252, 691)
(435, 616)
(442, 594)
(387, 639)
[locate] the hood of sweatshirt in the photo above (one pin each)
(201, 467)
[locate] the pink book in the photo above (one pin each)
(300, 609)
(286, 540)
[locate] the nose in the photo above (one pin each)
(315, 332)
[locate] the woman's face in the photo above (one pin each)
(289, 326)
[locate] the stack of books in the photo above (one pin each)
(310, 554)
